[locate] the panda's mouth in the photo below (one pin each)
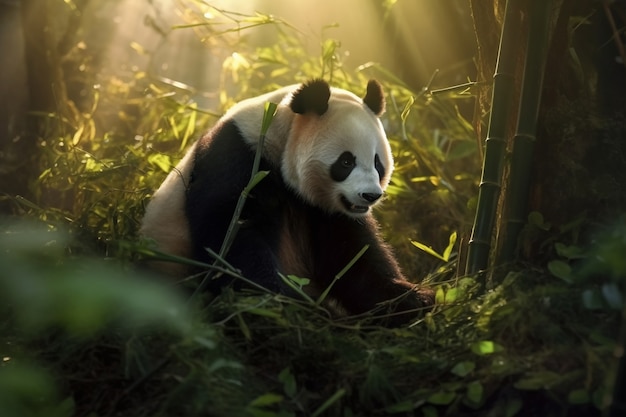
(353, 208)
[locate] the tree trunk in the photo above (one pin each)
(13, 104)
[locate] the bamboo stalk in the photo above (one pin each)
(495, 145)
(516, 199)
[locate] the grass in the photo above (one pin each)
(95, 337)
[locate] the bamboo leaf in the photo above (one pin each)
(329, 47)
(243, 326)
(268, 116)
(191, 126)
(162, 161)
(296, 284)
(428, 250)
(448, 250)
(256, 180)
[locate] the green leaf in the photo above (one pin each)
(536, 219)
(297, 284)
(427, 249)
(257, 179)
(243, 326)
(561, 269)
(329, 47)
(569, 252)
(475, 392)
(442, 398)
(266, 400)
(440, 295)
(289, 382)
(578, 396)
(268, 116)
(330, 401)
(451, 296)
(451, 243)
(162, 161)
(190, 128)
(486, 347)
(300, 281)
(463, 368)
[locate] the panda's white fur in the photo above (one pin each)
(314, 236)
(165, 221)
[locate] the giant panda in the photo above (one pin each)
(329, 163)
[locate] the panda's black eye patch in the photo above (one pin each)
(343, 166)
(380, 168)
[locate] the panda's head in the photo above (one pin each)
(337, 156)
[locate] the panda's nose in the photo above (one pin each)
(370, 197)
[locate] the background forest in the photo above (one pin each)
(100, 100)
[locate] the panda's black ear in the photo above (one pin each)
(312, 96)
(374, 97)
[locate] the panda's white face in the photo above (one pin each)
(340, 161)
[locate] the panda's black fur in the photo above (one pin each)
(285, 229)
(221, 171)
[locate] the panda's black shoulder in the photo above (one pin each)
(222, 167)
(225, 140)
(224, 151)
